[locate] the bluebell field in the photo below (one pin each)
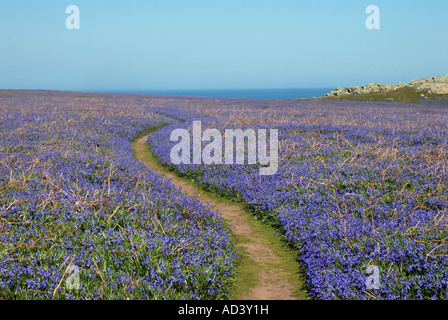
(72, 194)
(359, 184)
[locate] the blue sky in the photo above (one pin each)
(219, 44)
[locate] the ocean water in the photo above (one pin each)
(265, 94)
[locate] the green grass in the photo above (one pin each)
(287, 257)
(405, 95)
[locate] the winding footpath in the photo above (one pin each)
(264, 272)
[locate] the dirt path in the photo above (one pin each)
(271, 279)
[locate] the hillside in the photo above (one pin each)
(414, 91)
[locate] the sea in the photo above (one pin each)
(262, 94)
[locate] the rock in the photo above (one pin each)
(434, 88)
(434, 85)
(419, 82)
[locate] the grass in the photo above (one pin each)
(287, 256)
(405, 95)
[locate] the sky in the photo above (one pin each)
(219, 44)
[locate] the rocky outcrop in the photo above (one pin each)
(435, 85)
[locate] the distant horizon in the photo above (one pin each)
(104, 90)
(150, 90)
(258, 94)
(223, 88)
(264, 94)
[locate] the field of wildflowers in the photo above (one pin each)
(71, 194)
(359, 185)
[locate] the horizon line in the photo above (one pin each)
(149, 90)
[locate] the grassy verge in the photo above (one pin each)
(405, 95)
(286, 254)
